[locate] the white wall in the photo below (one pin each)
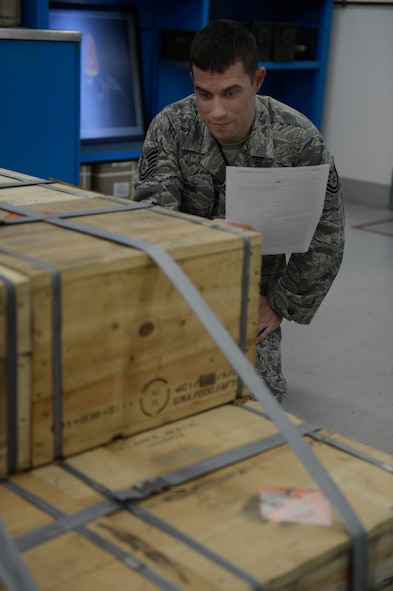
(358, 114)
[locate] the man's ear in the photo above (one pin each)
(259, 78)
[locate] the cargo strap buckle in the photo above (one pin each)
(141, 490)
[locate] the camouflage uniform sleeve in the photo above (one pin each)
(158, 176)
(297, 291)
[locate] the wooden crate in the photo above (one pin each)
(95, 340)
(24, 190)
(206, 532)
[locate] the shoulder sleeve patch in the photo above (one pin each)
(148, 163)
(333, 183)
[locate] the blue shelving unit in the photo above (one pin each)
(300, 83)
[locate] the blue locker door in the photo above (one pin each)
(40, 103)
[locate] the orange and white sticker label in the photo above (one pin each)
(295, 505)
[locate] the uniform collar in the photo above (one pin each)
(260, 141)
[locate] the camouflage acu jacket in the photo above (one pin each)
(182, 167)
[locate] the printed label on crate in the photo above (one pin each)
(157, 397)
(121, 189)
(295, 505)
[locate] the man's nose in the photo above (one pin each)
(218, 108)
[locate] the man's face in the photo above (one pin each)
(226, 101)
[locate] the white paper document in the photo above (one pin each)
(285, 204)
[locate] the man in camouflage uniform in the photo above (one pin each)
(225, 122)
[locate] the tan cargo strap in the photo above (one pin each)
(13, 571)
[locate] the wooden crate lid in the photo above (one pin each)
(206, 533)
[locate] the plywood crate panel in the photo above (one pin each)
(101, 326)
(39, 195)
(205, 532)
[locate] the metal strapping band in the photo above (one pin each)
(11, 174)
(64, 524)
(103, 210)
(97, 486)
(168, 528)
(255, 384)
(335, 443)
(21, 183)
(163, 525)
(12, 374)
(27, 215)
(30, 216)
(130, 561)
(76, 521)
(13, 571)
(245, 274)
(154, 485)
(353, 451)
(254, 411)
(55, 278)
(32, 498)
(65, 189)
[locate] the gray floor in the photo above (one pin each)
(340, 367)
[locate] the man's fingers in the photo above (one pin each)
(263, 332)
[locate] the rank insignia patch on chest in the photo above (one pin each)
(148, 163)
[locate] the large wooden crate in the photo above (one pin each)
(26, 190)
(96, 341)
(98, 520)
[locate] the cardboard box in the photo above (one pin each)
(284, 42)
(85, 176)
(96, 341)
(263, 33)
(10, 13)
(114, 178)
(176, 44)
(99, 521)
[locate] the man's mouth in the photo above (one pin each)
(220, 126)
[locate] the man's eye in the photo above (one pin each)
(204, 95)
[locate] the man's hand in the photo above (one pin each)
(268, 319)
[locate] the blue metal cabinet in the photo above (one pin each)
(39, 103)
(299, 83)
